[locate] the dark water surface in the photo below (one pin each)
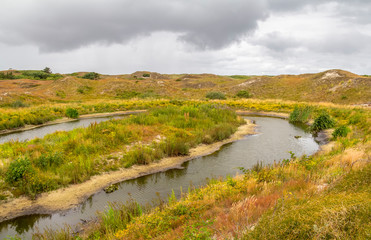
(274, 140)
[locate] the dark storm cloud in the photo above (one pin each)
(69, 24)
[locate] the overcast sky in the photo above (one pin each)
(186, 36)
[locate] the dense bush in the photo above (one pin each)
(146, 75)
(18, 169)
(72, 113)
(38, 75)
(215, 95)
(7, 75)
(323, 121)
(243, 94)
(91, 76)
(341, 131)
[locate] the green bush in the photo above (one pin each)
(7, 75)
(300, 114)
(243, 94)
(72, 113)
(215, 95)
(38, 75)
(341, 131)
(146, 75)
(91, 76)
(47, 70)
(323, 121)
(18, 169)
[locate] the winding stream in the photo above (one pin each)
(275, 138)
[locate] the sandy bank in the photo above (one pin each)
(69, 197)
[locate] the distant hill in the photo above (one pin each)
(335, 86)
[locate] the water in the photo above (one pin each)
(40, 132)
(275, 138)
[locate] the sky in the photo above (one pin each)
(251, 37)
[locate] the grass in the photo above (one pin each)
(64, 158)
(325, 196)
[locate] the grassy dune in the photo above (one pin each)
(335, 86)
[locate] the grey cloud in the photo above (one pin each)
(276, 41)
(343, 43)
(66, 25)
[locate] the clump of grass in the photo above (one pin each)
(243, 94)
(215, 95)
(323, 121)
(300, 114)
(341, 131)
(91, 76)
(72, 113)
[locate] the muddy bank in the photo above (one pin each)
(66, 198)
(65, 120)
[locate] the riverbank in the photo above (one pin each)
(65, 120)
(69, 197)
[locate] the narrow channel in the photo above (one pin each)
(41, 132)
(274, 140)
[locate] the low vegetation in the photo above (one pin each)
(91, 76)
(243, 94)
(215, 95)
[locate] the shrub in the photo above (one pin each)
(18, 169)
(91, 76)
(72, 113)
(215, 95)
(47, 70)
(300, 114)
(341, 131)
(323, 121)
(146, 75)
(243, 94)
(7, 75)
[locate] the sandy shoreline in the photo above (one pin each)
(65, 120)
(69, 197)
